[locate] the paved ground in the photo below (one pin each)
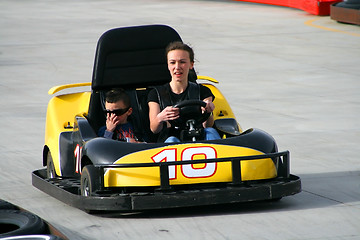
(292, 74)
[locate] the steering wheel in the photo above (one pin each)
(190, 110)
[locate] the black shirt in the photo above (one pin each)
(202, 93)
(205, 92)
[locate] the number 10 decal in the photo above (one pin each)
(189, 170)
(77, 154)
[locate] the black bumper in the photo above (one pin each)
(67, 191)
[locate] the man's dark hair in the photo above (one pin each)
(116, 95)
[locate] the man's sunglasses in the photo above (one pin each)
(117, 112)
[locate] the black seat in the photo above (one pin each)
(132, 58)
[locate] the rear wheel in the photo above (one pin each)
(274, 199)
(90, 180)
(50, 170)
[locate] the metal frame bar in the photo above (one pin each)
(283, 167)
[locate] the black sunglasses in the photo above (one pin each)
(117, 112)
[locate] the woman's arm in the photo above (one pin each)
(155, 123)
(209, 108)
(157, 118)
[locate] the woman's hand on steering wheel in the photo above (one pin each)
(169, 113)
(210, 106)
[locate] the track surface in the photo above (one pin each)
(289, 73)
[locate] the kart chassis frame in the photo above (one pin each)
(67, 190)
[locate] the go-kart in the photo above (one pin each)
(347, 11)
(94, 173)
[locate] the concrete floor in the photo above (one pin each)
(285, 71)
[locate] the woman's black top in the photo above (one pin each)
(165, 97)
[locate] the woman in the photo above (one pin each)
(180, 59)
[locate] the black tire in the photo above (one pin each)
(275, 199)
(357, 2)
(50, 169)
(6, 205)
(33, 237)
(16, 222)
(354, 4)
(90, 181)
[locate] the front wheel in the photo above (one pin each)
(90, 181)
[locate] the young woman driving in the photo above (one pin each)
(180, 59)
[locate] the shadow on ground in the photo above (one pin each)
(319, 191)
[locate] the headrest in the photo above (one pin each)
(132, 57)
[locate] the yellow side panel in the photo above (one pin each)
(222, 107)
(60, 113)
(188, 174)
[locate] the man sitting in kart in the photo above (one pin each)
(161, 101)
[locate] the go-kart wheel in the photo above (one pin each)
(89, 180)
(190, 110)
(50, 169)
